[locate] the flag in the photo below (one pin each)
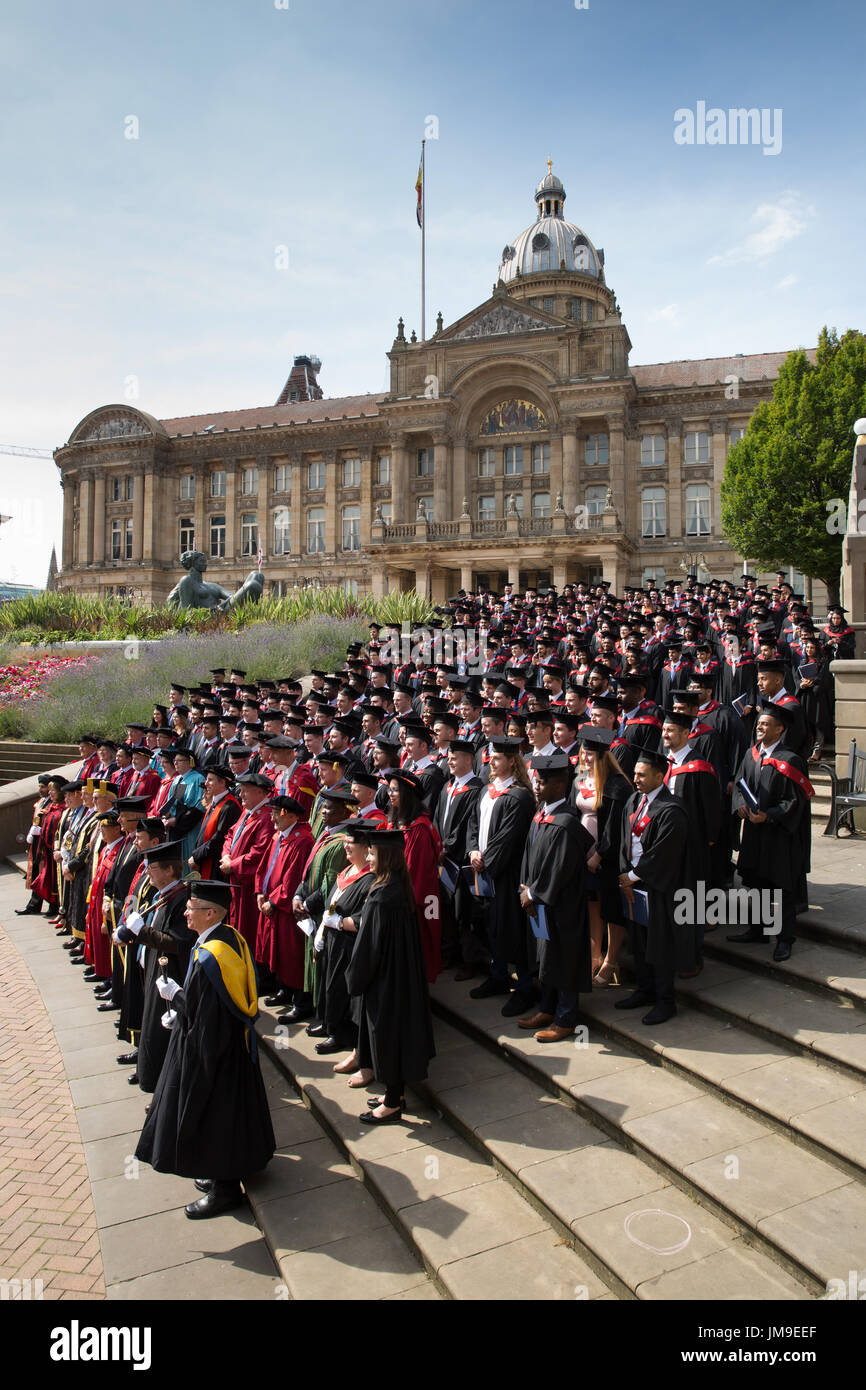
(260, 558)
(419, 189)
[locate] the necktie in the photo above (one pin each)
(271, 862)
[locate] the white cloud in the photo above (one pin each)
(775, 225)
(668, 314)
(787, 281)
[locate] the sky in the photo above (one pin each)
(194, 193)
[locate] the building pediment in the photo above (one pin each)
(115, 422)
(500, 317)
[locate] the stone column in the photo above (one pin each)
(514, 573)
(333, 527)
(560, 573)
(442, 479)
(138, 515)
(719, 437)
(366, 500)
(570, 470)
(556, 468)
(399, 478)
(466, 578)
(461, 454)
(421, 580)
(231, 521)
(298, 538)
(67, 554)
(378, 582)
(201, 480)
(616, 454)
(99, 518)
(85, 519)
(675, 479)
(150, 515)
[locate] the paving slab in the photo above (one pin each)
(317, 1163)
(494, 1099)
(465, 1065)
(111, 1157)
(428, 1171)
(96, 1061)
(790, 1087)
(826, 1234)
(138, 1192)
(764, 1176)
(112, 1117)
(650, 1234)
(96, 1090)
(694, 1130)
(135, 1248)
(738, 1272)
(204, 1279)
(464, 1223)
(308, 1219)
(548, 1130)
(637, 1091)
(374, 1265)
(840, 1125)
(536, 1268)
(599, 1175)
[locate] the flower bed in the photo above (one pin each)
(30, 679)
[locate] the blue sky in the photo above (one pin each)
(261, 127)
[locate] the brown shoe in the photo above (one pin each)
(554, 1034)
(535, 1021)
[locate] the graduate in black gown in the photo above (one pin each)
(775, 850)
(693, 781)
(209, 1119)
(457, 799)
(553, 893)
(337, 932)
(388, 982)
(615, 792)
(652, 859)
(163, 932)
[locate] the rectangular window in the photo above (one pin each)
(316, 475)
(513, 460)
(541, 458)
(249, 482)
(351, 472)
(316, 530)
(486, 463)
(351, 587)
(218, 537)
(652, 449)
(249, 534)
(541, 504)
(698, 509)
(218, 483)
(697, 447)
(351, 528)
(283, 478)
(127, 538)
(595, 499)
(548, 303)
(387, 512)
(187, 534)
(652, 577)
(129, 490)
(596, 449)
(653, 512)
(736, 434)
(115, 540)
(425, 463)
(115, 489)
(486, 508)
(282, 531)
(187, 487)
(384, 473)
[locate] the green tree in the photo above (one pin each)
(795, 458)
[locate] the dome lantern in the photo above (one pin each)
(551, 244)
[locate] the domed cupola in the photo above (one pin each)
(551, 244)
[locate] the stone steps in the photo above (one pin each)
(833, 971)
(530, 1194)
(798, 1197)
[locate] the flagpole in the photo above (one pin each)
(423, 237)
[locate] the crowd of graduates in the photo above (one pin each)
(538, 779)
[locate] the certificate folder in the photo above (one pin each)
(480, 884)
(747, 794)
(449, 875)
(639, 912)
(538, 923)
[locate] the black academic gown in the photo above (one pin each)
(798, 738)
(333, 1004)
(453, 825)
(165, 934)
(663, 869)
(617, 791)
(209, 1117)
(388, 981)
(132, 986)
(777, 851)
(554, 871)
(432, 781)
(509, 824)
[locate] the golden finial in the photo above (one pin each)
(549, 167)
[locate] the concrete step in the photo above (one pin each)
(476, 1237)
(18, 862)
(833, 971)
(723, 1153)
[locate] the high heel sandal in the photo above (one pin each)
(606, 977)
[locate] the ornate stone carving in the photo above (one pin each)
(503, 319)
(116, 427)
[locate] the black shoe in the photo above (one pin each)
(330, 1045)
(747, 936)
(204, 1184)
(295, 1016)
(635, 1001)
(90, 974)
(660, 1013)
(63, 931)
(782, 950)
(107, 1007)
(282, 996)
(517, 1004)
(368, 1118)
(220, 1198)
(133, 1080)
(489, 987)
(317, 1030)
(29, 911)
(73, 945)
(127, 1059)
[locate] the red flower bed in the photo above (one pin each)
(27, 681)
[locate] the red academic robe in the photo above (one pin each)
(246, 844)
(423, 847)
(280, 941)
(45, 881)
(97, 944)
(147, 783)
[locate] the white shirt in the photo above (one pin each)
(486, 810)
(452, 787)
(636, 846)
(681, 755)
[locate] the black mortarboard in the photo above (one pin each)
(683, 720)
(210, 890)
(337, 794)
(170, 852)
(153, 825)
(786, 714)
(551, 763)
(133, 803)
(608, 702)
(594, 736)
(508, 746)
(656, 760)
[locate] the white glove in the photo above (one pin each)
(135, 922)
(331, 919)
(167, 988)
(33, 832)
(168, 1019)
(319, 939)
(116, 939)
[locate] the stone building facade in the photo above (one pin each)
(516, 444)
